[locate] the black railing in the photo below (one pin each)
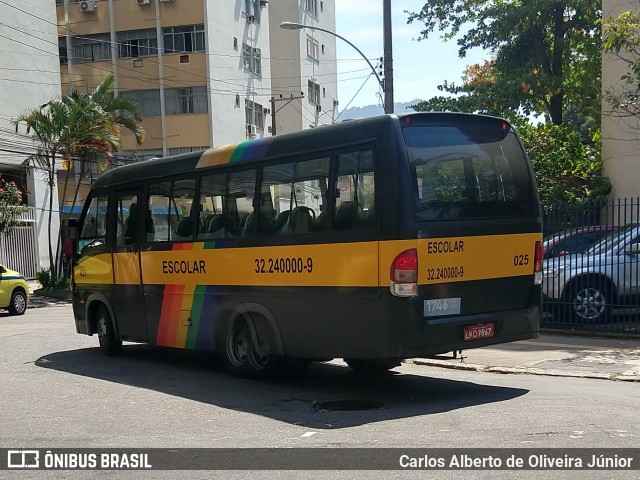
(591, 277)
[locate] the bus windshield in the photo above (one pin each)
(463, 171)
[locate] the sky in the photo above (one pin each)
(418, 66)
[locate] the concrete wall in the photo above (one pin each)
(30, 77)
(620, 136)
(230, 85)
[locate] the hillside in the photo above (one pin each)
(373, 110)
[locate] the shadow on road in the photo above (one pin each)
(294, 400)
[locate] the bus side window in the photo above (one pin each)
(312, 178)
(180, 205)
(126, 218)
(292, 203)
(275, 201)
(355, 191)
(158, 208)
(214, 221)
(95, 224)
(242, 187)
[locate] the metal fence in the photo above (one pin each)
(591, 277)
(19, 251)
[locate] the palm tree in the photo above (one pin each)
(49, 126)
(79, 127)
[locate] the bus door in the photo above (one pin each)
(128, 299)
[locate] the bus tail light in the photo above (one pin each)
(404, 274)
(537, 268)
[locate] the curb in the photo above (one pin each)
(41, 302)
(473, 367)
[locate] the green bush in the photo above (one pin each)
(44, 277)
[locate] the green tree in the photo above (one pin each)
(79, 127)
(622, 39)
(545, 55)
(566, 168)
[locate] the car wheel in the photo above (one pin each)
(250, 352)
(18, 303)
(590, 302)
(372, 366)
(110, 344)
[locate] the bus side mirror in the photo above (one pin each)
(74, 227)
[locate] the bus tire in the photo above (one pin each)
(249, 348)
(18, 303)
(110, 344)
(372, 366)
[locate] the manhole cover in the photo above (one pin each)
(347, 405)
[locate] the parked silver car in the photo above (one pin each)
(591, 284)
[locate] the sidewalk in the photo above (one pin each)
(40, 301)
(555, 355)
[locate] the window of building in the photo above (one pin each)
(252, 59)
(147, 100)
(254, 114)
(62, 50)
(180, 101)
(311, 6)
(312, 48)
(251, 8)
(188, 38)
(137, 43)
(314, 92)
(90, 48)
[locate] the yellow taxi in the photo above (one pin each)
(14, 291)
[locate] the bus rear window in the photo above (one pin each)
(466, 171)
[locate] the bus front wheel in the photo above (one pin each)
(249, 348)
(110, 344)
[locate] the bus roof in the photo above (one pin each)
(306, 141)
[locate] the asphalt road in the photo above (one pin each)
(57, 390)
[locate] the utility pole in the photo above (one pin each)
(388, 58)
(273, 101)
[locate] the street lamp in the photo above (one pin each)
(300, 26)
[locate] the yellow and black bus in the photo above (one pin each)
(373, 240)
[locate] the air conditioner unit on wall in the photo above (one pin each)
(252, 130)
(88, 6)
(144, 2)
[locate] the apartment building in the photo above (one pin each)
(204, 71)
(303, 62)
(30, 78)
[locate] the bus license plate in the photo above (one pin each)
(476, 332)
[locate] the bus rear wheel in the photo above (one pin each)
(249, 349)
(372, 366)
(110, 344)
